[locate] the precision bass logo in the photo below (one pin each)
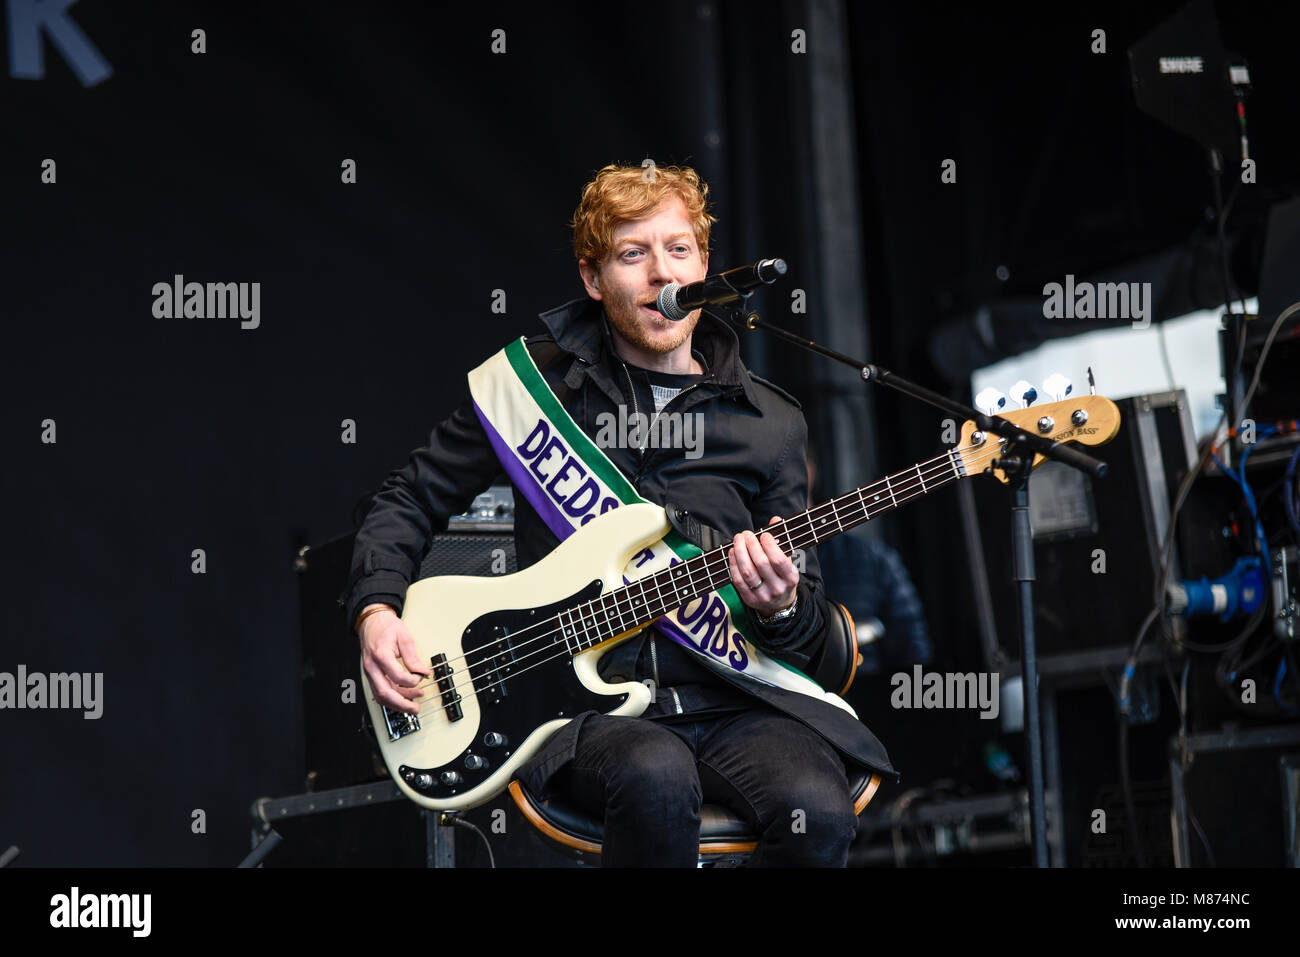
(1086, 430)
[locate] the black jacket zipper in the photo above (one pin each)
(636, 409)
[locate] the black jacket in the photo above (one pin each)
(752, 468)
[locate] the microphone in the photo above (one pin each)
(676, 301)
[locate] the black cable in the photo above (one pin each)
(897, 812)
(1221, 223)
(1245, 405)
(1122, 709)
(1205, 841)
(1251, 624)
(1290, 500)
(1227, 207)
(1240, 638)
(1185, 487)
(1166, 562)
(1127, 785)
(1180, 695)
(458, 821)
(1173, 684)
(1131, 663)
(1221, 236)
(1166, 566)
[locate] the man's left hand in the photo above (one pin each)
(764, 577)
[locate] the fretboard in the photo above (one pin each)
(587, 625)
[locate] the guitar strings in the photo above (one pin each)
(715, 561)
(590, 616)
(492, 676)
(940, 465)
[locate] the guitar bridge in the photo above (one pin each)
(442, 673)
(400, 723)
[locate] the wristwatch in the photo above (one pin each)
(781, 615)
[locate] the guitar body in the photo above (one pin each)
(464, 751)
(508, 673)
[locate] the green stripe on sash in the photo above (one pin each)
(595, 458)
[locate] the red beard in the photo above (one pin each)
(651, 333)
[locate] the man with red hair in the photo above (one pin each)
(777, 757)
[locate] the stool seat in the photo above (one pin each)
(722, 831)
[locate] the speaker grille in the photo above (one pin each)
(470, 553)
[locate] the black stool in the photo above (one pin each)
(723, 833)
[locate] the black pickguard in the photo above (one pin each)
(537, 685)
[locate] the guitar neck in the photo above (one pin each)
(647, 598)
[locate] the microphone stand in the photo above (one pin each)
(1016, 463)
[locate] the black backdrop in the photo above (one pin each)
(181, 434)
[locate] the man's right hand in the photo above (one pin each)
(389, 660)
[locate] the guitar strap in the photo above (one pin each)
(569, 481)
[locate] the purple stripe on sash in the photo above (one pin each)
(670, 629)
(559, 523)
(525, 481)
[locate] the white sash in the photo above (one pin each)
(569, 480)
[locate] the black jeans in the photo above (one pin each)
(648, 779)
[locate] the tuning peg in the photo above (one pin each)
(1057, 386)
(1024, 393)
(990, 401)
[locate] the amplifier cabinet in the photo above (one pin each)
(1096, 543)
(339, 745)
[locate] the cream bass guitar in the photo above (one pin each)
(513, 657)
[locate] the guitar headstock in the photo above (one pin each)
(1085, 419)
